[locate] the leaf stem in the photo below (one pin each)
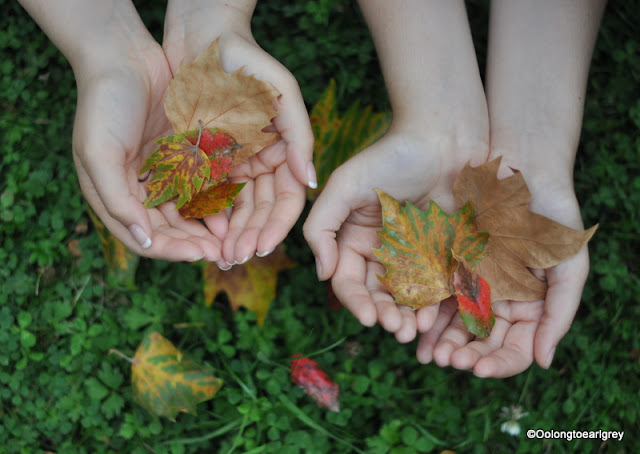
(199, 133)
(113, 351)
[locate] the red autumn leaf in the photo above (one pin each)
(474, 299)
(212, 200)
(179, 170)
(332, 299)
(221, 148)
(307, 374)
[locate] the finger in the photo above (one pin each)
(515, 356)
(193, 230)
(290, 198)
(426, 317)
(467, 356)
(243, 207)
(454, 337)
(388, 316)
(264, 199)
(218, 224)
(327, 215)
(428, 340)
(408, 328)
(348, 284)
(566, 282)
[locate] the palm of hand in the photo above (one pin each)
(523, 330)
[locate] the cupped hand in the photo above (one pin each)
(119, 116)
(342, 226)
(276, 177)
(523, 331)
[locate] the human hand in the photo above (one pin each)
(342, 226)
(523, 331)
(276, 177)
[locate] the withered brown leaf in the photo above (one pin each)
(518, 238)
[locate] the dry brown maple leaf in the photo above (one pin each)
(518, 238)
(241, 105)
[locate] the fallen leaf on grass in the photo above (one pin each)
(417, 250)
(165, 382)
(339, 138)
(307, 374)
(519, 239)
(252, 285)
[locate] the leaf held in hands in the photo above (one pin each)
(211, 201)
(179, 170)
(165, 382)
(252, 285)
(474, 299)
(336, 138)
(416, 250)
(307, 374)
(240, 105)
(519, 239)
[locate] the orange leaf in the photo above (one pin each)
(241, 105)
(417, 250)
(212, 200)
(519, 239)
(474, 299)
(252, 285)
(165, 382)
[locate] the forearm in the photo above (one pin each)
(91, 34)
(428, 62)
(537, 68)
(191, 25)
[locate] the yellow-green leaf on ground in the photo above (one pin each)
(167, 383)
(417, 249)
(121, 263)
(240, 105)
(519, 239)
(252, 285)
(339, 138)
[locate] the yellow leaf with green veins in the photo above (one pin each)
(167, 383)
(417, 250)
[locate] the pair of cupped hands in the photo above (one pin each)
(120, 114)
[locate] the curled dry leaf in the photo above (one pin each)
(519, 239)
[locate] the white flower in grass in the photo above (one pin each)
(512, 415)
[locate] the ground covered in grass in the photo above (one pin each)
(61, 392)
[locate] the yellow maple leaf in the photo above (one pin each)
(167, 383)
(252, 285)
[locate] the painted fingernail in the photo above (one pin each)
(197, 258)
(549, 360)
(318, 269)
(227, 268)
(264, 254)
(138, 234)
(243, 261)
(312, 179)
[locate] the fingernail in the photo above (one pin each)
(549, 360)
(318, 269)
(243, 261)
(138, 234)
(264, 254)
(311, 176)
(195, 259)
(227, 268)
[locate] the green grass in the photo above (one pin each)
(61, 392)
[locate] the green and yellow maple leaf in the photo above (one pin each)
(417, 250)
(337, 138)
(179, 170)
(165, 382)
(252, 285)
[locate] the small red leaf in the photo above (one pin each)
(474, 299)
(307, 374)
